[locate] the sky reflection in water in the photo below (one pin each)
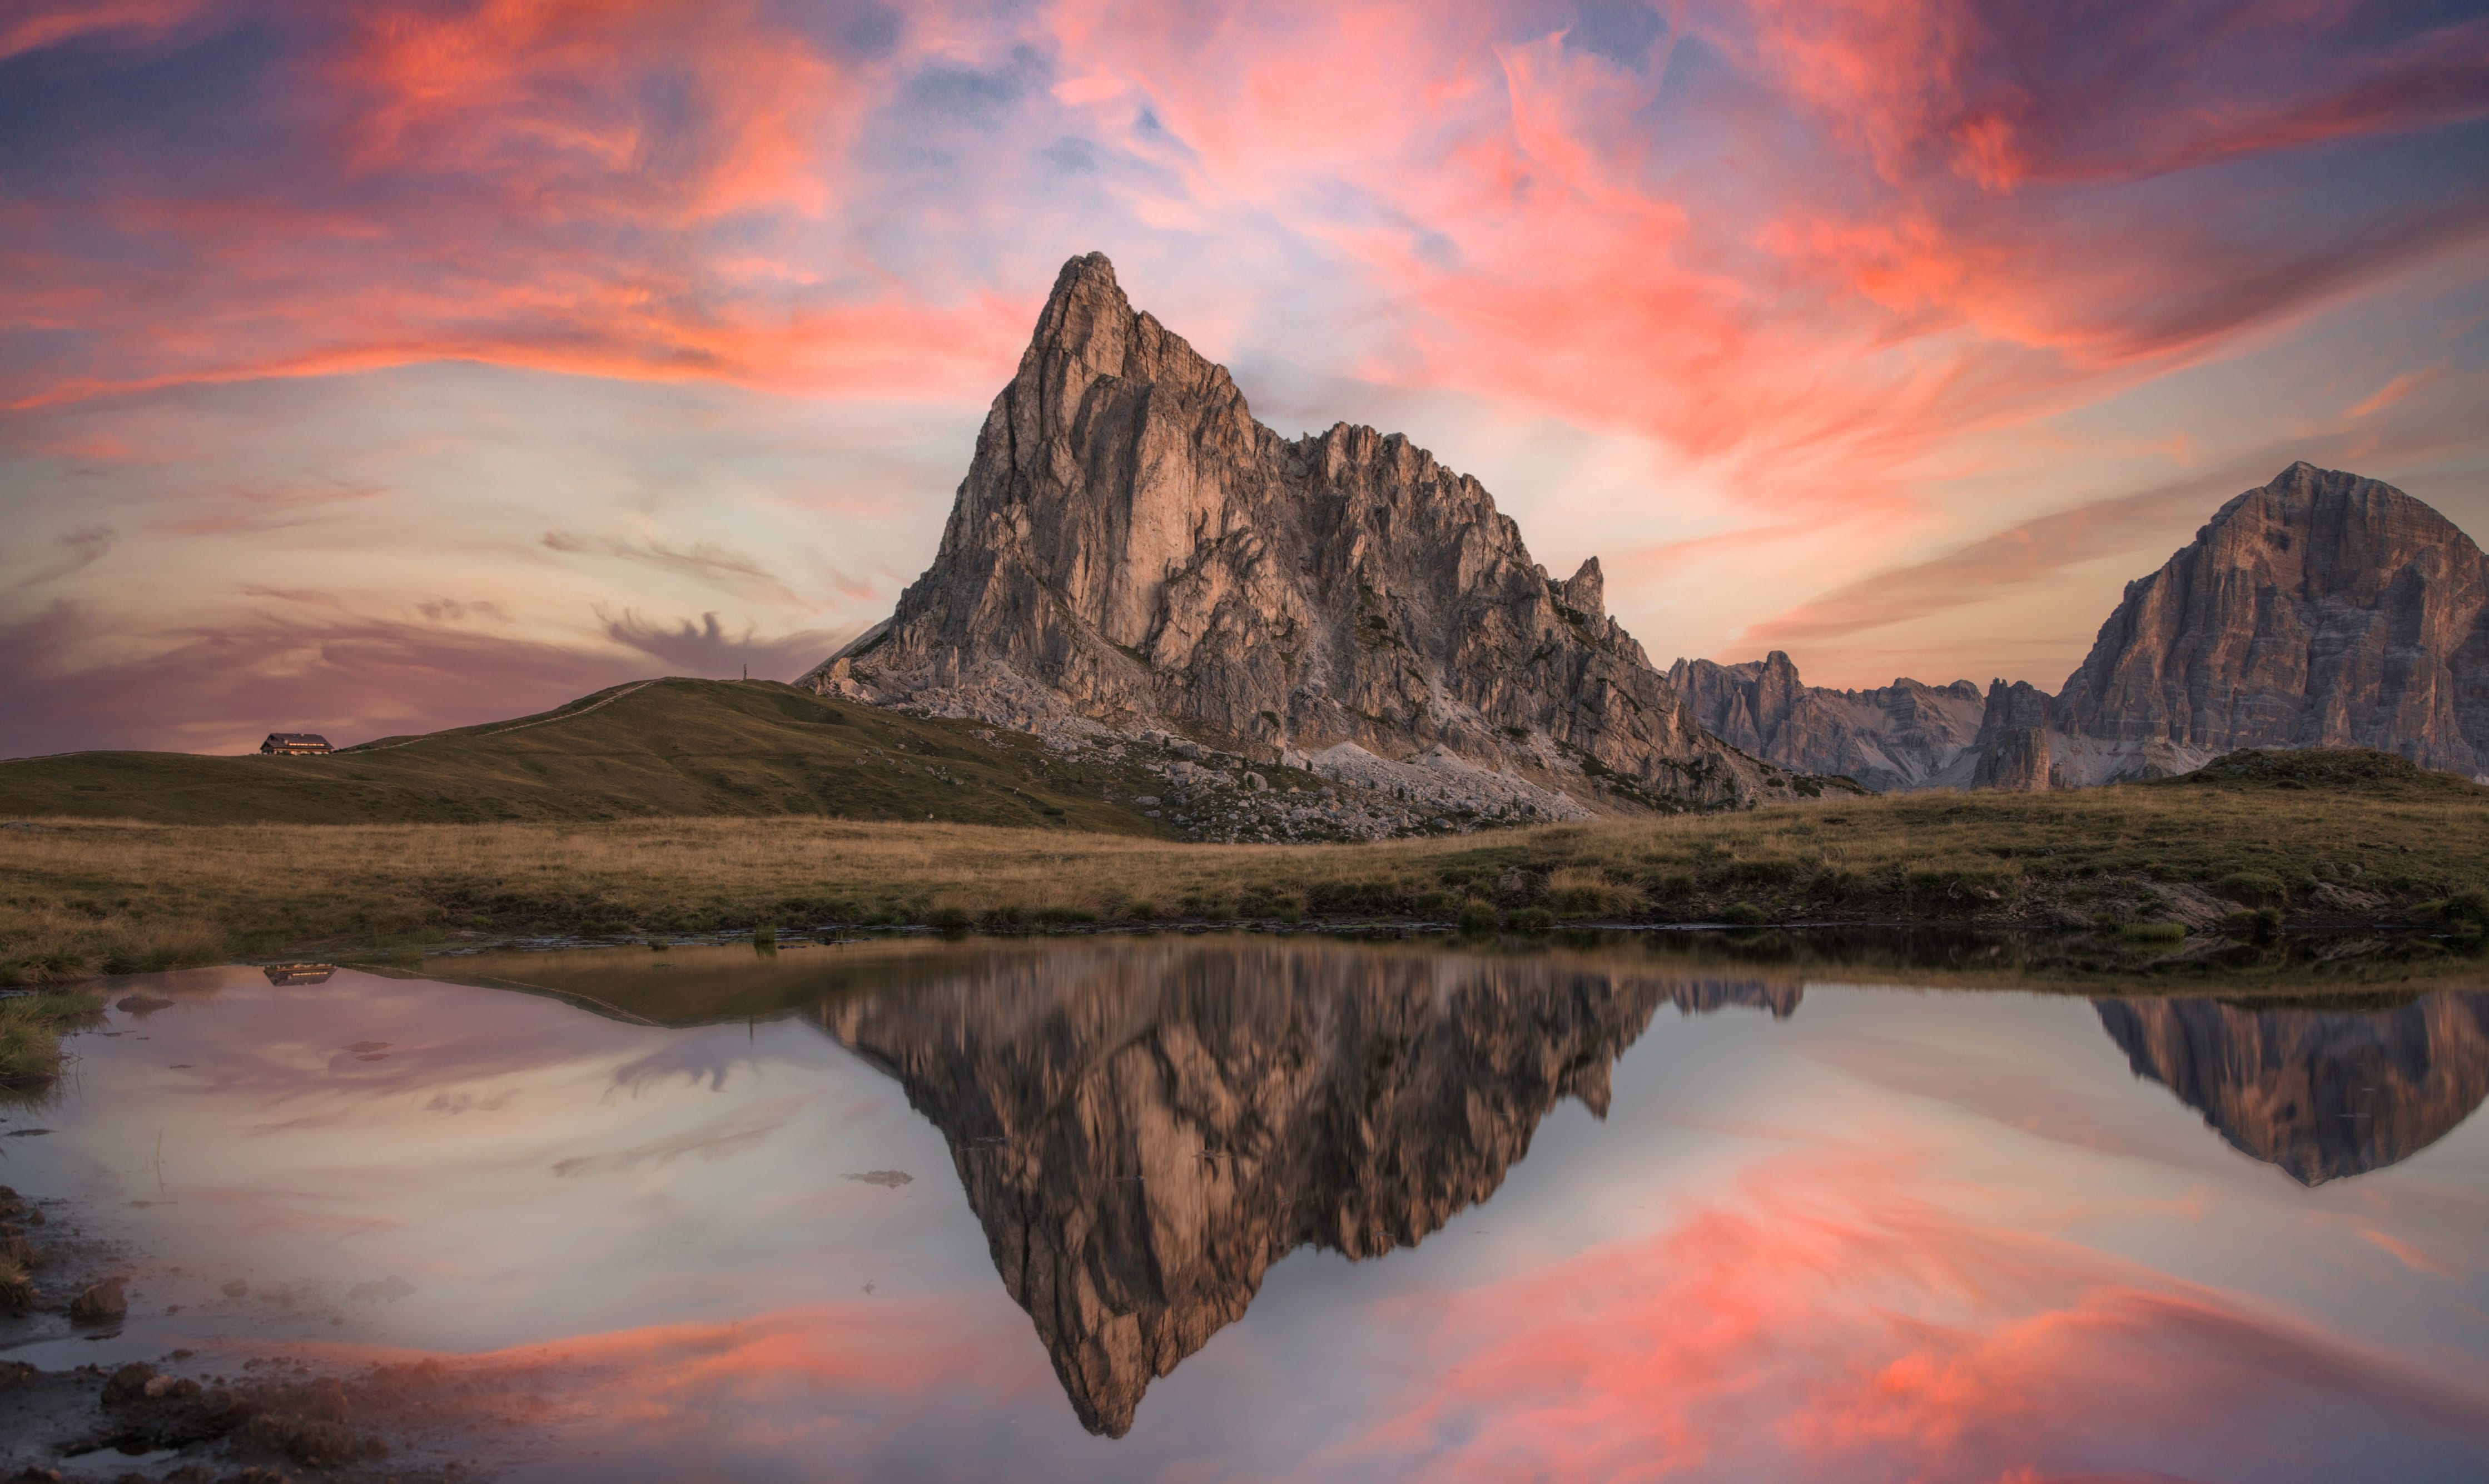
(1819, 1233)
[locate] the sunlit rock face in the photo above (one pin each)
(1898, 736)
(1143, 1133)
(2321, 1094)
(2323, 610)
(1130, 549)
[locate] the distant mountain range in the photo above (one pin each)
(2323, 610)
(1132, 557)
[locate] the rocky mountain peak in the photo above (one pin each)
(1586, 591)
(2322, 610)
(1130, 550)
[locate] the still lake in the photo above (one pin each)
(1211, 1208)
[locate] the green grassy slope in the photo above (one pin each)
(672, 746)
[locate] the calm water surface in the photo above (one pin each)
(1205, 1210)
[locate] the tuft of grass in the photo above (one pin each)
(1579, 892)
(2154, 932)
(17, 1291)
(2255, 888)
(31, 1026)
(1745, 914)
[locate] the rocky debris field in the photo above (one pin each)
(1341, 793)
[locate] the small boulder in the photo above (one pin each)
(127, 1383)
(106, 1303)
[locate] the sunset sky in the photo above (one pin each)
(374, 368)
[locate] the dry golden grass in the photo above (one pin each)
(81, 896)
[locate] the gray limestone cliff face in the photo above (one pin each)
(1130, 547)
(1144, 1132)
(2323, 610)
(1903, 736)
(2321, 1094)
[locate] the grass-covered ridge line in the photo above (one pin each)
(666, 749)
(2391, 850)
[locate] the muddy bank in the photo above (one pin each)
(194, 1418)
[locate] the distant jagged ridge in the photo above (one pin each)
(2323, 610)
(1903, 736)
(1131, 549)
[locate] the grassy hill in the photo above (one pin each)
(663, 747)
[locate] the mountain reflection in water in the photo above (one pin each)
(1145, 1130)
(1345, 1212)
(2321, 1093)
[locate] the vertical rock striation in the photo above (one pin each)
(1131, 548)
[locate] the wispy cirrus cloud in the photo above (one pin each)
(704, 563)
(74, 552)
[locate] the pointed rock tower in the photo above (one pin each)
(1131, 550)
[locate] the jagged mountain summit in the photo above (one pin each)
(1130, 550)
(2323, 610)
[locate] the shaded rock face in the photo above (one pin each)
(1903, 736)
(2324, 609)
(2321, 1094)
(2013, 752)
(1131, 548)
(1144, 1132)
(2016, 759)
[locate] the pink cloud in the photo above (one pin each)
(1842, 1315)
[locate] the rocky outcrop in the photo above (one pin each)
(1903, 736)
(2012, 752)
(2323, 610)
(2016, 761)
(1131, 549)
(1144, 1130)
(2321, 1094)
